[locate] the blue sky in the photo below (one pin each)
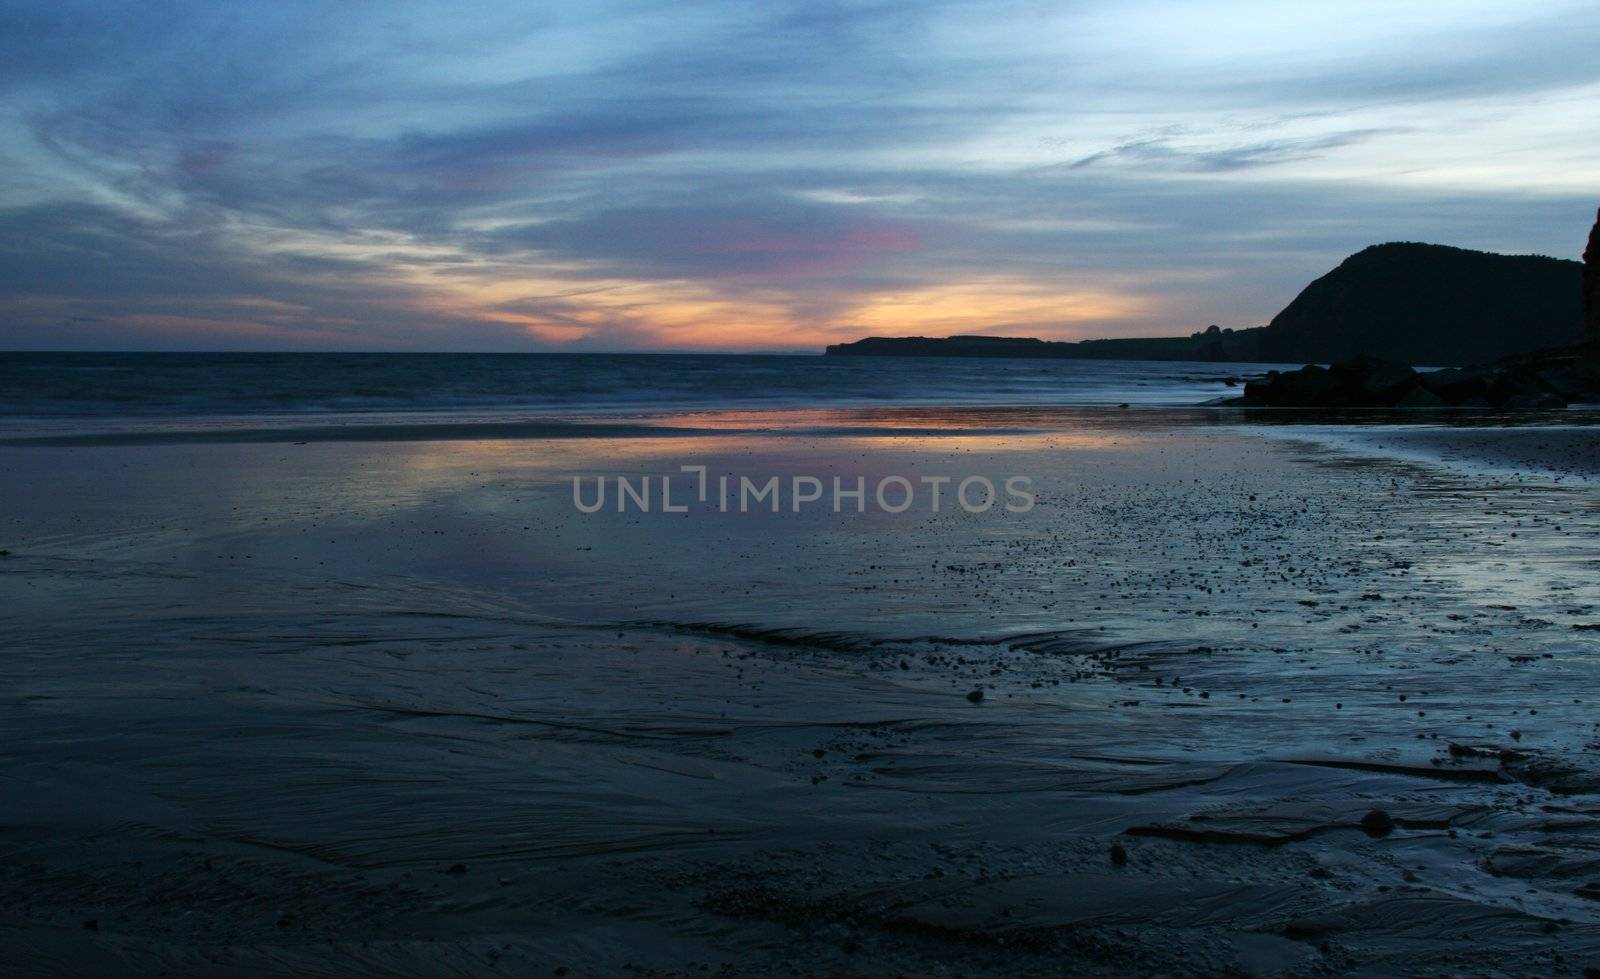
(757, 176)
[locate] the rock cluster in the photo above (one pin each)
(1524, 383)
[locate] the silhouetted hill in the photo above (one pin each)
(1430, 304)
(1406, 302)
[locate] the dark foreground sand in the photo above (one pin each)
(354, 707)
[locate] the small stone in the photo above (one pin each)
(1377, 823)
(975, 696)
(1119, 855)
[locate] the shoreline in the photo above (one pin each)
(1551, 450)
(1561, 444)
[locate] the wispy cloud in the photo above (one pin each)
(1169, 152)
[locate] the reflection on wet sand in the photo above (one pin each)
(1222, 704)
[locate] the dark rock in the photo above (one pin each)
(1374, 381)
(1458, 384)
(457, 869)
(1310, 386)
(1377, 823)
(1541, 382)
(1119, 855)
(1533, 401)
(975, 696)
(1421, 397)
(1568, 381)
(1513, 381)
(1362, 381)
(1259, 389)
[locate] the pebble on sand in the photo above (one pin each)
(1377, 823)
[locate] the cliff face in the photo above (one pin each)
(1591, 281)
(1431, 304)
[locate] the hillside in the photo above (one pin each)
(1407, 302)
(1430, 304)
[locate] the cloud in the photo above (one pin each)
(772, 240)
(83, 276)
(1163, 151)
(731, 175)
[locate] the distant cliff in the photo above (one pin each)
(1214, 344)
(1413, 303)
(1430, 304)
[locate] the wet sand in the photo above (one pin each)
(396, 707)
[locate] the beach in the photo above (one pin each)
(1226, 697)
(853, 490)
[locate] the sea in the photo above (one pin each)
(100, 385)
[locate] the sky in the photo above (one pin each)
(757, 175)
